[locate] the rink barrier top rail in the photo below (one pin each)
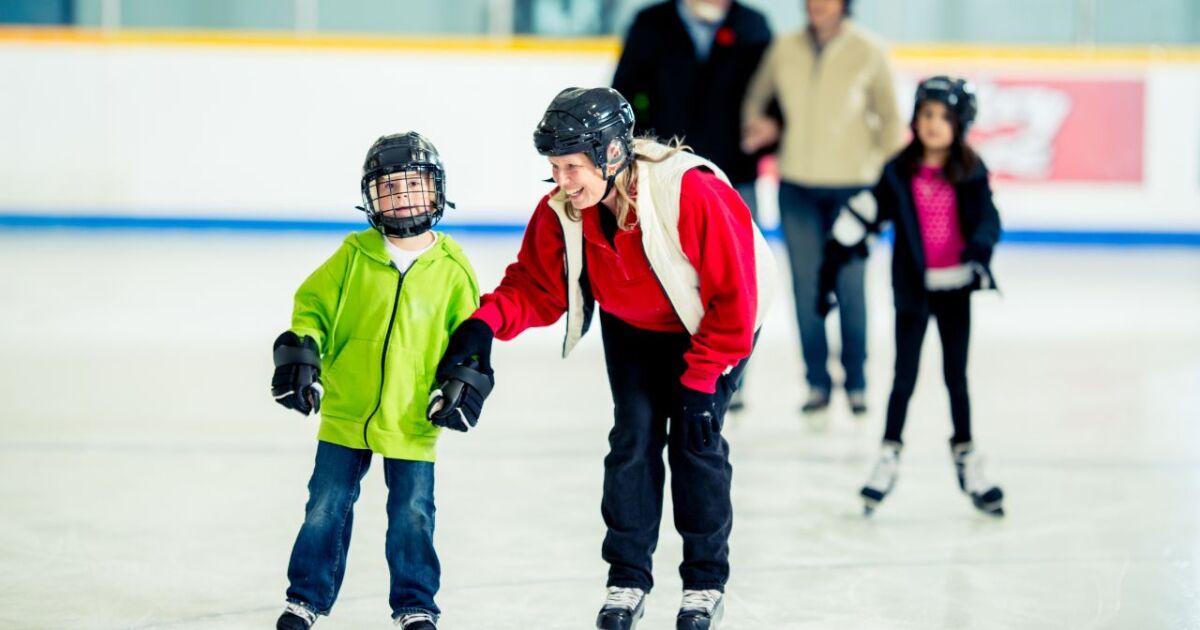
(605, 46)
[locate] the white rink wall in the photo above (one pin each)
(275, 128)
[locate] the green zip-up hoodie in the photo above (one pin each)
(381, 335)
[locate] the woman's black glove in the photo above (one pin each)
(458, 401)
(472, 338)
(699, 420)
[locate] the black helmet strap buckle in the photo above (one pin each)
(612, 179)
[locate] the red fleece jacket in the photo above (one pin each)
(715, 234)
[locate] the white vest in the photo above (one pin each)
(659, 187)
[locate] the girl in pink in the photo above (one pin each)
(936, 194)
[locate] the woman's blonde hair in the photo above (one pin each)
(627, 182)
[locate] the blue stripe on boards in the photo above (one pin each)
(1119, 238)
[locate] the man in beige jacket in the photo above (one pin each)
(834, 85)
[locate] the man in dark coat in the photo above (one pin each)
(685, 67)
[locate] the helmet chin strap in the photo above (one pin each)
(612, 179)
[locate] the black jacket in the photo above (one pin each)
(674, 93)
(977, 218)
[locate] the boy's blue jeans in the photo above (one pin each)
(806, 215)
(318, 561)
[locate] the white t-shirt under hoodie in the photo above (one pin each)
(404, 258)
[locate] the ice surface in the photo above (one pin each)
(147, 480)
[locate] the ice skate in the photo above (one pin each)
(296, 617)
(700, 610)
(815, 410)
(883, 477)
(818, 400)
(415, 621)
(987, 497)
(622, 609)
(858, 402)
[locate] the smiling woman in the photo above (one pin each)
(661, 241)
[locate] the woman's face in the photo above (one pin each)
(935, 126)
(578, 178)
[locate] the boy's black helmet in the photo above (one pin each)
(956, 94)
(409, 153)
(586, 120)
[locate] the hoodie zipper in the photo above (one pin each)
(383, 355)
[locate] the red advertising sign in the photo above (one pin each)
(1061, 130)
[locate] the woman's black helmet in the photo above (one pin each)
(586, 120)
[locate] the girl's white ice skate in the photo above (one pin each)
(987, 497)
(883, 477)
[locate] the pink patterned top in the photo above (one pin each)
(937, 214)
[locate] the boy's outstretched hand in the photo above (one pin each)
(297, 380)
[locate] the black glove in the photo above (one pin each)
(297, 380)
(836, 257)
(699, 420)
(458, 401)
(976, 252)
(472, 338)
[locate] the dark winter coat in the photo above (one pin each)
(676, 94)
(977, 218)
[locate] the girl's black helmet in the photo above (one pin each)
(957, 94)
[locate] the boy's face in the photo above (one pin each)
(935, 125)
(404, 193)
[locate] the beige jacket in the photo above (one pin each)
(839, 107)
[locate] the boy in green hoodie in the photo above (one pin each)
(371, 324)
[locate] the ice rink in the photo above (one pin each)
(147, 480)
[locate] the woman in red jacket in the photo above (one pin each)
(681, 275)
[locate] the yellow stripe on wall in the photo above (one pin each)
(607, 46)
(466, 44)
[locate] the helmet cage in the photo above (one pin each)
(409, 156)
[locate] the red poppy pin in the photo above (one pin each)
(725, 36)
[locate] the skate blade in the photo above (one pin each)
(615, 624)
(997, 512)
(710, 623)
(995, 509)
(870, 504)
(990, 503)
